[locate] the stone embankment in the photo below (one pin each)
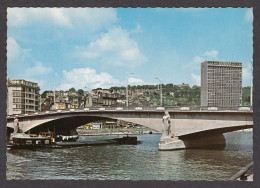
(119, 131)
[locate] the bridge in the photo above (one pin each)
(193, 125)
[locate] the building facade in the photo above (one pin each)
(22, 96)
(183, 85)
(99, 98)
(221, 83)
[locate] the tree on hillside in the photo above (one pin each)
(72, 89)
(246, 92)
(80, 92)
(195, 87)
(43, 95)
(169, 85)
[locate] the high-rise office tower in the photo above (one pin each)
(221, 83)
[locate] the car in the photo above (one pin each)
(244, 108)
(86, 109)
(185, 108)
(36, 113)
(58, 111)
(160, 108)
(212, 108)
(119, 108)
(138, 108)
(72, 110)
(101, 109)
(47, 112)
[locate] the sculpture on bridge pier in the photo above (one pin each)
(166, 131)
(168, 140)
(16, 126)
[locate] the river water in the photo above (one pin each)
(133, 162)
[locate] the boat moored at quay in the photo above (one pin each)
(48, 140)
(30, 141)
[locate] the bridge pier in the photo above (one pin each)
(8, 133)
(169, 143)
(205, 141)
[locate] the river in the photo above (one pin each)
(133, 162)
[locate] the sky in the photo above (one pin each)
(87, 48)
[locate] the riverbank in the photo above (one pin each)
(118, 131)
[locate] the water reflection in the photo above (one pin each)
(132, 162)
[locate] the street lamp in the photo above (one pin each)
(85, 96)
(54, 95)
(86, 88)
(161, 89)
(40, 103)
(251, 92)
(127, 88)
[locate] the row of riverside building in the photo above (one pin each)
(22, 96)
(221, 85)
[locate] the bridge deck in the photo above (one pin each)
(140, 109)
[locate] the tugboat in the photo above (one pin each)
(31, 141)
(129, 140)
(20, 140)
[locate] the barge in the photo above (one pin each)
(31, 141)
(47, 140)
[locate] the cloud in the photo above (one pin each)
(197, 60)
(21, 63)
(37, 70)
(246, 74)
(13, 49)
(80, 78)
(135, 81)
(196, 79)
(138, 29)
(64, 17)
(249, 15)
(114, 48)
(17, 57)
(195, 63)
(211, 54)
(27, 16)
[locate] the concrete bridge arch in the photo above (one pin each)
(183, 122)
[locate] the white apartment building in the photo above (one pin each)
(22, 96)
(221, 83)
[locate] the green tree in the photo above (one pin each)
(71, 98)
(246, 92)
(80, 92)
(43, 95)
(72, 89)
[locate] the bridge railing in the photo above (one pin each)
(139, 108)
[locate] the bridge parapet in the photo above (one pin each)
(186, 120)
(139, 108)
